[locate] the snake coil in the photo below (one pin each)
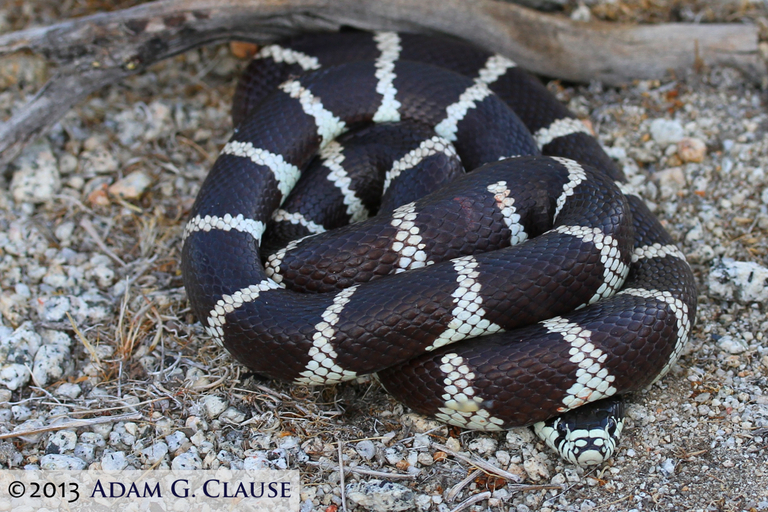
(533, 285)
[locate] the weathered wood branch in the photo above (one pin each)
(97, 50)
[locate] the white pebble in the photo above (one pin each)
(176, 440)
(668, 467)
(742, 281)
(92, 438)
(232, 415)
(187, 461)
(37, 180)
(536, 470)
(85, 451)
(56, 462)
(14, 376)
(690, 149)
(50, 363)
(366, 449)
(30, 426)
(214, 405)
(394, 454)
(69, 390)
(380, 496)
(666, 132)
(21, 412)
(61, 441)
(53, 309)
(419, 423)
(732, 345)
(98, 161)
(421, 441)
(114, 461)
(288, 443)
(483, 445)
(63, 232)
(132, 186)
(670, 181)
(154, 453)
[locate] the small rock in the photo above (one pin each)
(615, 152)
(21, 412)
(517, 437)
(14, 376)
(114, 461)
(92, 438)
(670, 181)
(67, 164)
(243, 50)
(732, 345)
(690, 149)
(668, 468)
(421, 441)
(144, 122)
(394, 454)
(381, 496)
(187, 461)
(420, 423)
(581, 13)
(69, 390)
(425, 459)
(121, 435)
(154, 453)
(9, 455)
(198, 438)
(37, 180)
(214, 406)
(61, 442)
(102, 430)
(366, 449)
(743, 281)
(56, 462)
(53, 309)
(666, 132)
(176, 440)
(99, 196)
(132, 186)
(256, 462)
(232, 415)
(63, 232)
(21, 345)
(483, 445)
(98, 161)
(50, 363)
(85, 451)
(536, 470)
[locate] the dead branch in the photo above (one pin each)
(101, 49)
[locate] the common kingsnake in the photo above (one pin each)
(438, 296)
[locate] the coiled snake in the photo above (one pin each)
(529, 287)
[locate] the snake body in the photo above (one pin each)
(529, 287)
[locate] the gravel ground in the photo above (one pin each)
(103, 364)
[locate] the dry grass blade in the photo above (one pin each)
(479, 463)
(471, 501)
(84, 341)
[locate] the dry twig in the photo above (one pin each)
(98, 50)
(479, 463)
